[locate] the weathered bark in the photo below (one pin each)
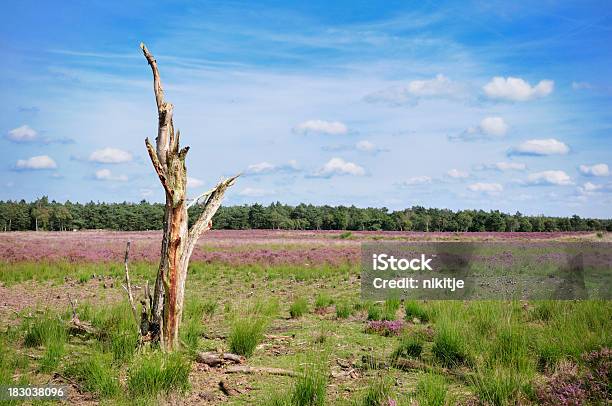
(178, 241)
(213, 359)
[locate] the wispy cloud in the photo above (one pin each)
(594, 170)
(439, 87)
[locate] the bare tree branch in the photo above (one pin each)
(161, 172)
(204, 222)
(128, 286)
(165, 132)
(73, 306)
(197, 199)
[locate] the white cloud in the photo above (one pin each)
(106, 174)
(254, 192)
(504, 166)
(595, 170)
(366, 146)
(581, 85)
(510, 166)
(261, 167)
(486, 187)
(338, 166)
(559, 178)
(591, 187)
(494, 126)
(457, 174)
(437, 87)
(415, 180)
(22, 134)
(489, 127)
(110, 156)
(548, 146)
(194, 182)
(516, 89)
(321, 127)
(36, 162)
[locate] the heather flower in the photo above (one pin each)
(385, 327)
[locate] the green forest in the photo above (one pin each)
(43, 214)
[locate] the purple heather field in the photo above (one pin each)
(235, 247)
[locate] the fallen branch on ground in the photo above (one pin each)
(228, 390)
(213, 359)
(245, 369)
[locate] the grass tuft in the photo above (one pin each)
(377, 393)
(322, 301)
(413, 309)
(343, 310)
(374, 311)
(390, 308)
(156, 372)
(96, 374)
(311, 386)
(409, 346)
(245, 335)
(449, 347)
(431, 390)
(44, 330)
(298, 308)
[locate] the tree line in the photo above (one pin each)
(43, 214)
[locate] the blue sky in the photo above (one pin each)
(493, 105)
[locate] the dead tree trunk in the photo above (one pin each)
(179, 240)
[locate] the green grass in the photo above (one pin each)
(48, 331)
(499, 386)
(156, 373)
(450, 347)
(410, 345)
(197, 308)
(44, 330)
(323, 301)
(192, 328)
(311, 385)
(510, 349)
(377, 393)
(432, 390)
(298, 308)
(501, 349)
(343, 310)
(414, 309)
(118, 329)
(245, 335)
(374, 311)
(390, 308)
(96, 373)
